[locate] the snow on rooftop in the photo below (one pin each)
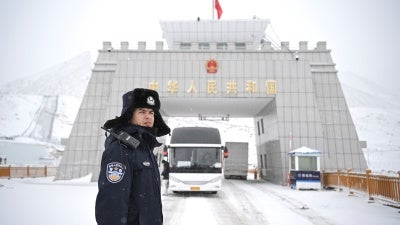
(304, 151)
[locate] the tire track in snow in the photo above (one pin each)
(245, 207)
(259, 188)
(201, 209)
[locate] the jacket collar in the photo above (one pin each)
(142, 133)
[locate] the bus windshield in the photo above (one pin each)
(195, 160)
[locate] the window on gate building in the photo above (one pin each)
(240, 46)
(265, 161)
(222, 46)
(186, 45)
(204, 46)
(262, 125)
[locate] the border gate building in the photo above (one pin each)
(224, 68)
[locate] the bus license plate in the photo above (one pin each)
(195, 188)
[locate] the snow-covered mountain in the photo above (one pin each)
(376, 115)
(68, 78)
(361, 92)
(43, 107)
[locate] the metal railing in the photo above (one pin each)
(26, 171)
(386, 187)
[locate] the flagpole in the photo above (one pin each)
(212, 9)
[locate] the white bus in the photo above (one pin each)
(195, 159)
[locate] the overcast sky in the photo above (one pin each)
(363, 35)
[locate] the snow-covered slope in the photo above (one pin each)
(69, 78)
(374, 109)
(360, 92)
(43, 107)
(376, 115)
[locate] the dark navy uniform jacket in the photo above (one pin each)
(129, 182)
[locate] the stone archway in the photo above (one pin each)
(294, 97)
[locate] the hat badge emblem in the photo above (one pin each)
(150, 100)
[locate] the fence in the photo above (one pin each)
(26, 171)
(375, 185)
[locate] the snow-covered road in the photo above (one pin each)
(258, 202)
(42, 201)
(238, 203)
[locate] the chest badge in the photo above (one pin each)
(115, 172)
(146, 164)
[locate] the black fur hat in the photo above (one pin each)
(141, 98)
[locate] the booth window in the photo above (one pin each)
(293, 163)
(308, 163)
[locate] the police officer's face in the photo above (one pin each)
(143, 117)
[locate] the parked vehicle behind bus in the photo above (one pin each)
(237, 165)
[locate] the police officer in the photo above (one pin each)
(129, 180)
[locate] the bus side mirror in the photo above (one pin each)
(226, 154)
(165, 151)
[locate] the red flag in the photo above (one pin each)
(218, 8)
